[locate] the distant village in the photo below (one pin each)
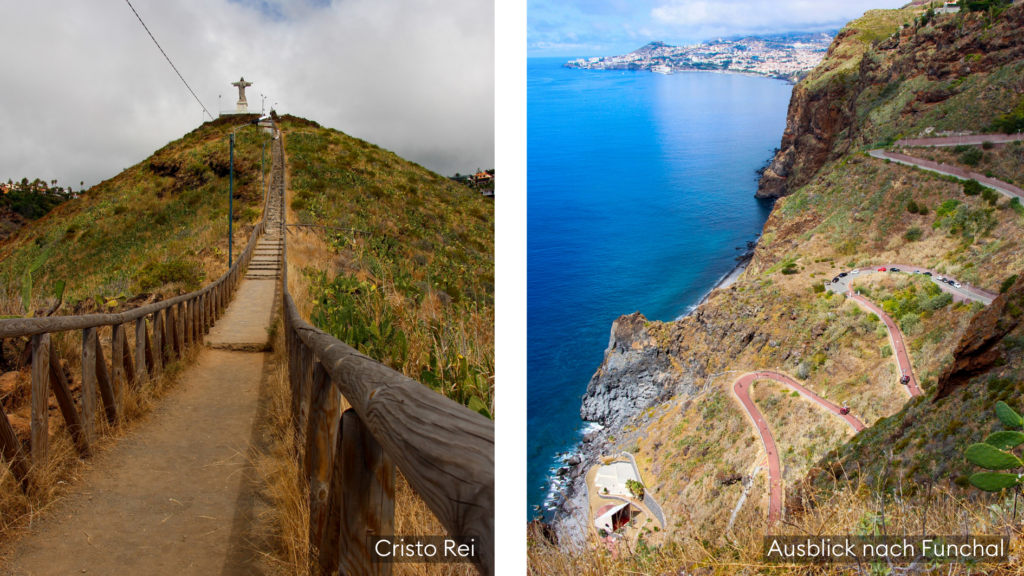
(31, 200)
(785, 57)
(482, 179)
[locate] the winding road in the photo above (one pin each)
(998, 185)
(741, 386)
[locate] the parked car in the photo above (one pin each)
(956, 284)
(927, 273)
(882, 269)
(844, 410)
(940, 278)
(917, 271)
(855, 271)
(843, 274)
(896, 270)
(835, 280)
(905, 380)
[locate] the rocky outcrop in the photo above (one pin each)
(635, 375)
(978, 349)
(865, 69)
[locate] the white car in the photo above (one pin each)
(940, 278)
(855, 271)
(956, 284)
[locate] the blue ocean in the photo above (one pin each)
(640, 192)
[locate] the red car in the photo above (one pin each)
(882, 269)
(844, 410)
(905, 380)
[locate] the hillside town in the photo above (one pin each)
(784, 57)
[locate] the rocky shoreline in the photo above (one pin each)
(634, 376)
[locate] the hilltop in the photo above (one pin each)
(665, 390)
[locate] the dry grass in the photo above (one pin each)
(286, 522)
(65, 468)
(854, 510)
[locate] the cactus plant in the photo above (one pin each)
(996, 453)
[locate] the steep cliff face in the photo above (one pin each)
(635, 374)
(978, 350)
(887, 75)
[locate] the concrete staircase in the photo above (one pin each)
(266, 259)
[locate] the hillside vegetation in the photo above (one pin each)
(408, 272)
(838, 209)
(158, 228)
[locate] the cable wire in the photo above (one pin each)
(169, 60)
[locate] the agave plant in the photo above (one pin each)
(996, 453)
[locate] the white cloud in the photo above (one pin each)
(739, 16)
(85, 92)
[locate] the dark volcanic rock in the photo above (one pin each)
(978, 349)
(635, 375)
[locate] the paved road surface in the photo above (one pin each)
(958, 140)
(965, 293)
(741, 387)
(997, 185)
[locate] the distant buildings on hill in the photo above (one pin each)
(481, 179)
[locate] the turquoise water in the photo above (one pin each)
(640, 189)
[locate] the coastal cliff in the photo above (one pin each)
(664, 389)
(635, 375)
(886, 76)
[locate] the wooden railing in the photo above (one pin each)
(348, 460)
(163, 331)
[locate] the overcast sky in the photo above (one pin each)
(85, 92)
(610, 27)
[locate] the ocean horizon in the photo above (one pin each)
(640, 198)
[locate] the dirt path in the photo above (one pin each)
(178, 494)
(174, 497)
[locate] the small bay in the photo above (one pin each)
(640, 190)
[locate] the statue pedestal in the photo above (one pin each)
(242, 107)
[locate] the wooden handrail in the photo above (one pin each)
(444, 449)
(176, 323)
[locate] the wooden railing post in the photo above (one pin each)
(89, 384)
(150, 356)
(179, 329)
(126, 359)
(293, 380)
(187, 323)
(62, 391)
(117, 365)
(40, 401)
(105, 382)
(140, 352)
(321, 440)
(13, 451)
(158, 340)
(364, 482)
(305, 386)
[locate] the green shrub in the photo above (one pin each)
(990, 196)
(635, 488)
(1017, 206)
(972, 157)
(913, 235)
(912, 207)
(973, 187)
(987, 145)
(156, 274)
(922, 210)
(1007, 284)
(961, 148)
(885, 351)
(947, 207)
